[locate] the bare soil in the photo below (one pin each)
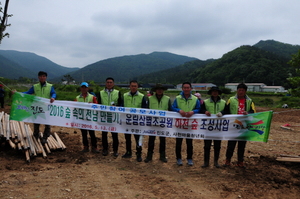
(73, 174)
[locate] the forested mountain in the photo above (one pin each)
(246, 64)
(126, 68)
(32, 63)
(264, 62)
(10, 70)
(279, 48)
(175, 75)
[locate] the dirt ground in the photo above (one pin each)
(73, 174)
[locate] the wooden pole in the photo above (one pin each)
(31, 144)
(51, 146)
(8, 133)
(43, 151)
(12, 131)
(19, 146)
(36, 145)
(57, 143)
(1, 124)
(63, 147)
(46, 147)
(53, 142)
(18, 130)
(12, 145)
(4, 125)
(27, 155)
(23, 134)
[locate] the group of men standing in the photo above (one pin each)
(186, 104)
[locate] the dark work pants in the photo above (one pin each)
(162, 144)
(217, 144)
(128, 143)
(46, 130)
(189, 148)
(2, 102)
(241, 149)
(85, 141)
(114, 138)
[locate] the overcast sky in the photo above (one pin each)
(75, 33)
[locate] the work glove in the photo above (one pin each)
(219, 114)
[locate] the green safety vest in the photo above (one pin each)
(108, 97)
(186, 104)
(134, 101)
(213, 107)
(234, 104)
(89, 98)
(42, 91)
(163, 104)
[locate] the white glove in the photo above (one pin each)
(219, 114)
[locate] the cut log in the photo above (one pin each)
(27, 155)
(287, 128)
(288, 159)
(291, 156)
(12, 145)
(8, 132)
(63, 146)
(1, 124)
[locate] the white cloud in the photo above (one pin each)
(76, 33)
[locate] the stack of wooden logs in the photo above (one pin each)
(20, 136)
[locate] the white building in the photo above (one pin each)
(276, 89)
(256, 87)
(198, 86)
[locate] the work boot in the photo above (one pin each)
(206, 157)
(85, 149)
(115, 154)
(206, 164)
(139, 157)
(241, 164)
(128, 154)
(227, 163)
(139, 154)
(46, 134)
(163, 157)
(104, 152)
(95, 150)
(149, 157)
(44, 140)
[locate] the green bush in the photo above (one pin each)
(67, 96)
(225, 90)
(292, 102)
(266, 102)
